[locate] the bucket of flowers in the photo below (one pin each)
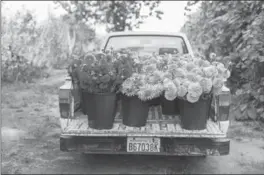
(154, 74)
(102, 75)
(137, 90)
(201, 81)
(171, 66)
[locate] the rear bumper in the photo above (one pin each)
(169, 146)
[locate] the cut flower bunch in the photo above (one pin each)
(190, 78)
(146, 84)
(181, 76)
(105, 72)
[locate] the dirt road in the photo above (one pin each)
(30, 141)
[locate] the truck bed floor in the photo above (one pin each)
(157, 125)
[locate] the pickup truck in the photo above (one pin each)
(162, 131)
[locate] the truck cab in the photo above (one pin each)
(163, 132)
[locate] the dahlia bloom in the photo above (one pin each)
(177, 82)
(179, 73)
(182, 91)
(206, 85)
(218, 82)
(167, 75)
(226, 74)
(192, 77)
(195, 89)
(148, 92)
(148, 69)
(198, 71)
(190, 66)
(209, 72)
(192, 98)
(170, 94)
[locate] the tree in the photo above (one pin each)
(28, 48)
(117, 15)
(233, 29)
(19, 36)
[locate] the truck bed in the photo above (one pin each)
(157, 125)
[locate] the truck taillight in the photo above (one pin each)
(224, 105)
(223, 101)
(66, 100)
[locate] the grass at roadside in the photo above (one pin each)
(30, 110)
(246, 129)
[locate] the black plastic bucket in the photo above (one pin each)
(154, 102)
(134, 111)
(169, 107)
(100, 109)
(83, 101)
(180, 104)
(195, 115)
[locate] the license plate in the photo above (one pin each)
(143, 144)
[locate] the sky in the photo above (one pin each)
(172, 19)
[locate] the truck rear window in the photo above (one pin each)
(147, 45)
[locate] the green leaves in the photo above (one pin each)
(234, 30)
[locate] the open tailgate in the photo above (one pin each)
(157, 125)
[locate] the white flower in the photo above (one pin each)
(192, 98)
(192, 77)
(197, 61)
(168, 84)
(214, 63)
(128, 87)
(215, 72)
(167, 75)
(148, 69)
(198, 71)
(179, 73)
(170, 94)
(195, 89)
(206, 84)
(186, 83)
(145, 93)
(209, 72)
(154, 78)
(177, 82)
(170, 89)
(220, 65)
(212, 56)
(190, 66)
(206, 63)
(182, 91)
(172, 67)
(218, 83)
(202, 63)
(181, 63)
(226, 74)
(148, 92)
(166, 81)
(223, 72)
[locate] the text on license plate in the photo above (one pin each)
(143, 144)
